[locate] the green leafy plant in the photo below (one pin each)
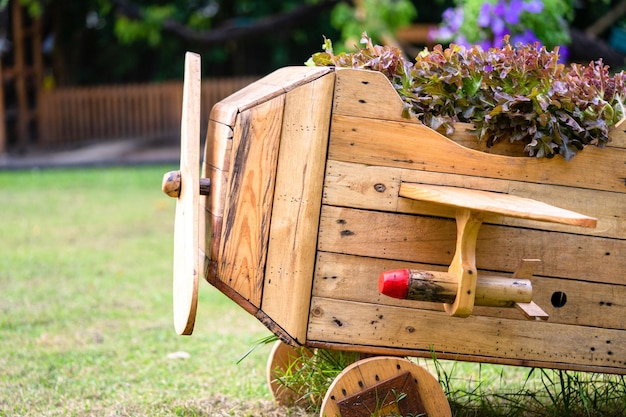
(128, 30)
(515, 93)
(311, 374)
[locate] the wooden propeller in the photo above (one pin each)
(184, 185)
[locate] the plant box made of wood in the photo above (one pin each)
(312, 172)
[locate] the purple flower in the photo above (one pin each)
(453, 17)
(511, 11)
(442, 32)
(451, 23)
(461, 40)
(496, 18)
(498, 28)
(486, 44)
(525, 37)
(563, 54)
(534, 6)
(484, 16)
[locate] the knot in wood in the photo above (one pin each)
(380, 187)
(317, 312)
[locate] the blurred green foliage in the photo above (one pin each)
(100, 42)
(120, 41)
(380, 18)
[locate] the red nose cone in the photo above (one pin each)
(394, 283)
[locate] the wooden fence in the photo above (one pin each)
(69, 116)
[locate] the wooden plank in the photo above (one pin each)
(366, 94)
(81, 116)
(414, 146)
(249, 198)
(219, 185)
(399, 351)
(217, 152)
(296, 208)
(212, 235)
(188, 231)
(432, 240)
(362, 186)
(277, 83)
(494, 203)
(581, 303)
(377, 188)
(224, 112)
(290, 78)
(355, 278)
(216, 165)
(532, 311)
(463, 136)
(219, 143)
(618, 135)
(419, 332)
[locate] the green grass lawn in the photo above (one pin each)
(85, 305)
(86, 327)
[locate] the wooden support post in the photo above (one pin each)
(463, 265)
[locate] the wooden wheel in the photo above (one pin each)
(382, 386)
(184, 185)
(283, 359)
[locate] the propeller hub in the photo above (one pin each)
(171, 184)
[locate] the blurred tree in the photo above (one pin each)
(104, 41)
(99, 41)
(110, 41)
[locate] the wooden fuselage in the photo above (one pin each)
(306, 166)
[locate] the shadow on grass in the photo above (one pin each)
(222, 406)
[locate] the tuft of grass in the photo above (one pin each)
(478, 390)
(508, 391)
(311, 372)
